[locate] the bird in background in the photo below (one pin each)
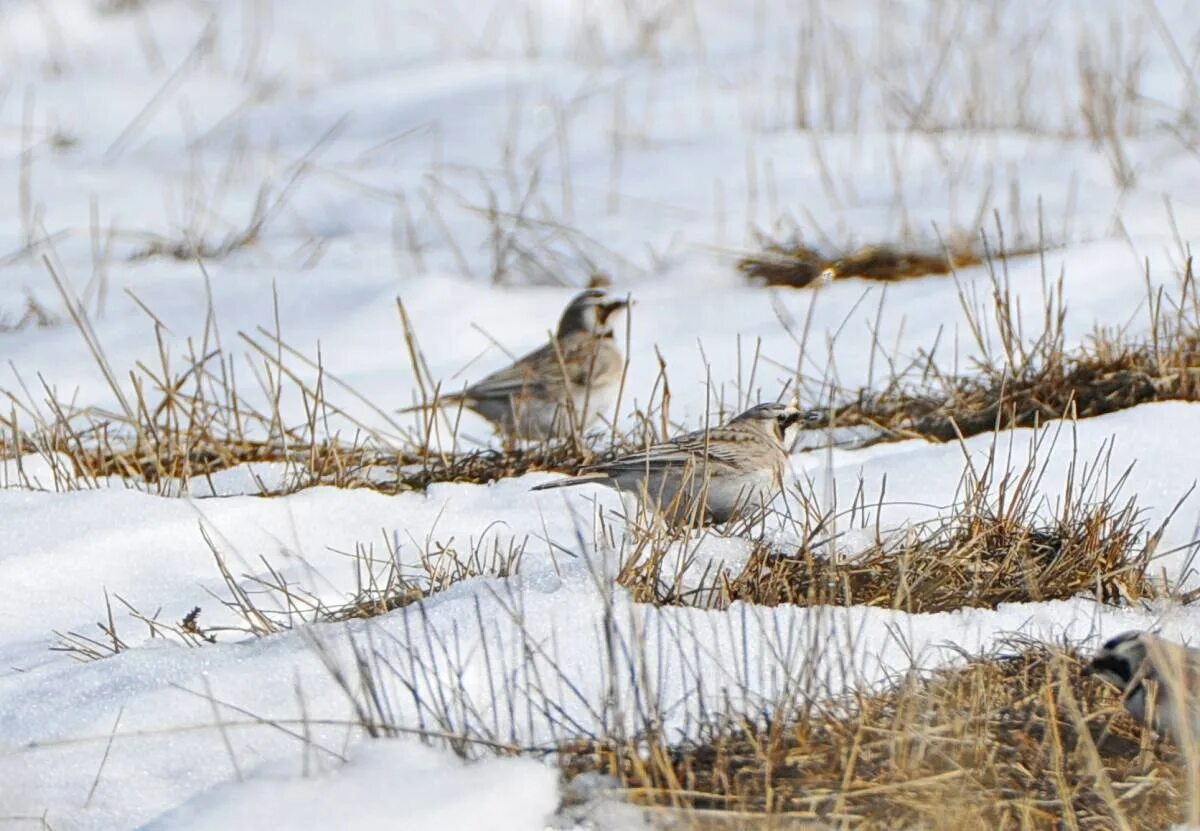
(1158, 680)
(560, 388)
(707, 476)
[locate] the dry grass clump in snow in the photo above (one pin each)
(85, 449)
(483, 466)
(1105, 377)
(441, 566)
(968, 560)
(1020, 741)
(183, 416)
(1027, 381)
(796, 265)
(267, 602)
(85, 647)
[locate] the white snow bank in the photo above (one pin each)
(417, 787)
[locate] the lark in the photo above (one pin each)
(707, 476)
(561, 388)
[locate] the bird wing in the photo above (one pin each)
(524, 377)
(540, 373)
(690, 449)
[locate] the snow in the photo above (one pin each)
(382, 779)
(658, 136)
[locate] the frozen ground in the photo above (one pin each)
(479, 162)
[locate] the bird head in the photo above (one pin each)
(1120, 659)
(776, 419)
(590, 312)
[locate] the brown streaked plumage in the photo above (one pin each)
(705, 476)
(558, 388)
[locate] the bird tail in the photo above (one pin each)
(572, 481)
(441, 402)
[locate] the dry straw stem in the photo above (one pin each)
(83, 647)
(1005, 741)
(265, 602)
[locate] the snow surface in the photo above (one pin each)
(382, 779)
(660, 134)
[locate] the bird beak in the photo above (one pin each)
(1088, 669)
(606, 309)
(808, 418)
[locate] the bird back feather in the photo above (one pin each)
(588, 479)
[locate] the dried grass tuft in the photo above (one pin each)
(967, 560)
(1018, 741)
(1103, 378)
(793, 264)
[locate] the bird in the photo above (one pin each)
(1131, 659)
(710, 476)
(560, 388)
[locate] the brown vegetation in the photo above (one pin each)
(1017, 741)
(795, 265)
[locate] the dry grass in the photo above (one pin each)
(385, 580)
(82, 646)
(793, 264)
(1104, 377)
(1017, 741)
(441, 566)
(187, 433)
(267, 603)
(796, 265)
(184, 418)
(1026, 380)
(968, 560)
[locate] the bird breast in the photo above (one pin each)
(728, 496)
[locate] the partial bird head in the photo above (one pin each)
(590, 312)
(1120, 659)
(775, 419)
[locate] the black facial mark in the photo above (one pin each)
(605, 310)
(1117, 667)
